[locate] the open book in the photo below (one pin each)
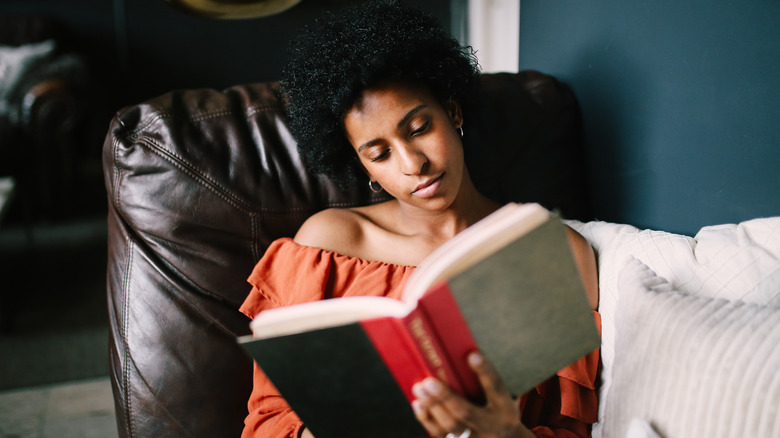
(507, 286)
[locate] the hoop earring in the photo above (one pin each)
(460, 128)
(371, 186)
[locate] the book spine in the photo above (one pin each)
(455, 339)
(399, 351)
(411, 350)
(430, 346)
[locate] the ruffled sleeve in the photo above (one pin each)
(565, 405)
(288, 274)
(277, 281)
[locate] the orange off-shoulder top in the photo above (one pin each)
(563, 406)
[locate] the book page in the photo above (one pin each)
(475, 243)
(323, 314)
(527, 308)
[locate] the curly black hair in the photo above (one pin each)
(335, 60)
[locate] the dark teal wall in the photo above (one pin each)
(142, 48)
(681, 103)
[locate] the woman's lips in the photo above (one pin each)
(428, 188)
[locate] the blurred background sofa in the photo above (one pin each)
(44, 99)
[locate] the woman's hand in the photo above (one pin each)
(442, 411)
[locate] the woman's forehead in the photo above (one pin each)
(383, 96)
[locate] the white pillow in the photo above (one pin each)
(733, 261)
(692, 366)
(639, 428)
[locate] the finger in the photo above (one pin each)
(444, 410)
(423, 414)
(494, 387)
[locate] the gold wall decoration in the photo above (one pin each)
(233, 9)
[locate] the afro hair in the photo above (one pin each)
(336, 59)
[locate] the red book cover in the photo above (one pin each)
(455, 339)
(399, 352)
(412, 349)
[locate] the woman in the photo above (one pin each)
(380, 95)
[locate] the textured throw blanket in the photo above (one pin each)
(728, 267)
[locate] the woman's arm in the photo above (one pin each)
(269, 414)
(585, 259)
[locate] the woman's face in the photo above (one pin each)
(409, 143)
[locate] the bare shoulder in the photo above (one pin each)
(586, 263)
(334, 229)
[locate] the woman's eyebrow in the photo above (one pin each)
(410, 114)
(401, 123)
(367, 145)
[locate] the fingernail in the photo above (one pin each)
(419, 391)
(476, 359)
(432, 386)
(417, 407)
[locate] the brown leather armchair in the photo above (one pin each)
(200, 182)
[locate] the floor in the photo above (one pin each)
(80, 409)
(53, 303)
(54, 336)
(53, 315)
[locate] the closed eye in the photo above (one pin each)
(381, 156)
(421, 129)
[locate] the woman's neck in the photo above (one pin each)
(442, 225)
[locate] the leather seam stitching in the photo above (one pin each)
(188, 169)
(116, 172)
(221, 191)
(252, 110)
(125, 313)
(197, 117)
(255, 249)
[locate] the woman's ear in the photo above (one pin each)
(455, 113)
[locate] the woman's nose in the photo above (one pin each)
(412, 161)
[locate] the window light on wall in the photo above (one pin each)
(492, 28)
